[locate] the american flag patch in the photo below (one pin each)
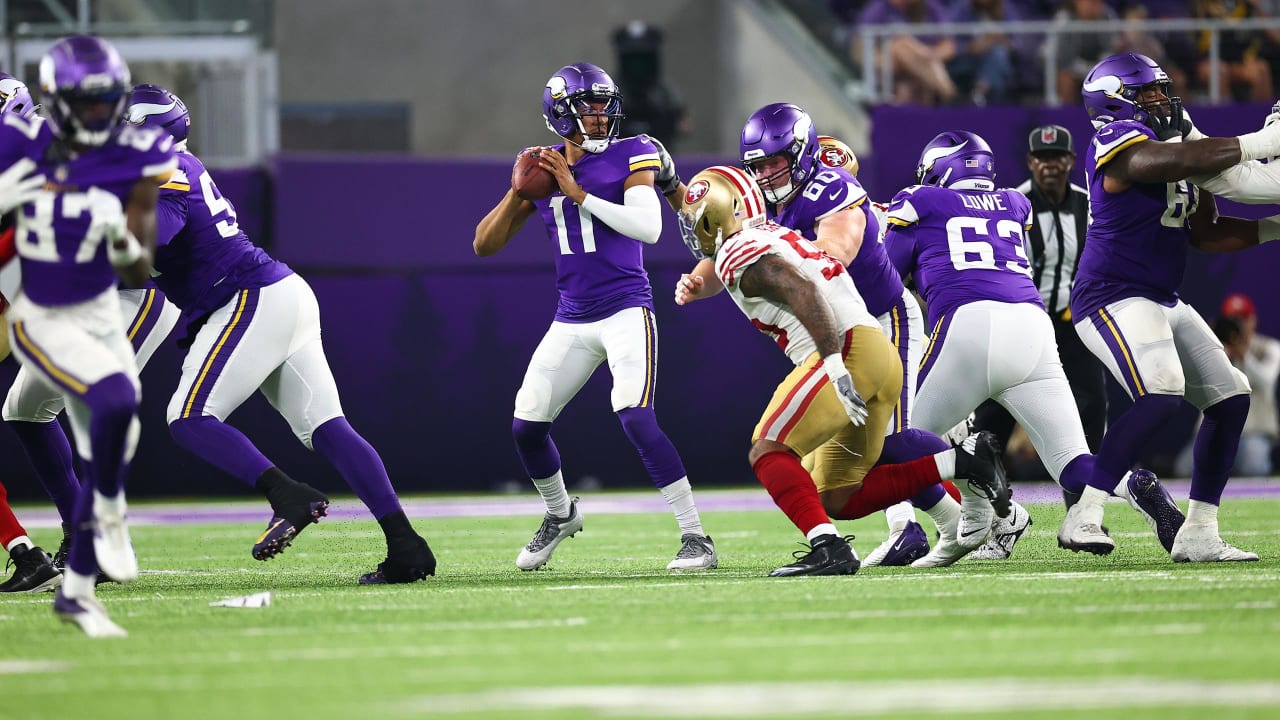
(971, 162)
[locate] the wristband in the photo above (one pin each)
(834, 365)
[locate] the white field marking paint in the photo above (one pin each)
(413, 627)
(943, 698)
(22, 667)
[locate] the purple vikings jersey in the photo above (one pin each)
(963, 246)
(825, 194)
(202, 256)
(599, 270)
(1137, 242)
(59, 238)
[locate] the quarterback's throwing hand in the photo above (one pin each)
(688, 287)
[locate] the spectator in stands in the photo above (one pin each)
(984, 64)
(919, 61)
(653, 108)
(1258, 356)
(1078, 52)
(1143, 42)
(1244, 72)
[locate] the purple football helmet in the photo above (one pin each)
(15, 97)
(960, 160)
(86, 88)
(1112, 87)
(570, 95)
(780, 130)
(153, 106)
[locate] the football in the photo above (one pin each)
(529, 180)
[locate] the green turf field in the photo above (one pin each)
(608, 633)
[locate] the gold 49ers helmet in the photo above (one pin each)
(719, 202)
(833, 153)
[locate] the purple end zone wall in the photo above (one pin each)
(429, 343)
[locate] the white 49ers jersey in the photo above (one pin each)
(778, 321)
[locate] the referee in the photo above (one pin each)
(1061, 212)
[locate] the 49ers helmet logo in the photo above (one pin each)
(833, 157)
(696, 191)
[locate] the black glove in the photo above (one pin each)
(667, 181)
(1175, 125)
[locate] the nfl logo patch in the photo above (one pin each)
(1049, 135)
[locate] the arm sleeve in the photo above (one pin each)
(1252, 182)
(171, 216)
(639, 216)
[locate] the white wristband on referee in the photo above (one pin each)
(834, 365)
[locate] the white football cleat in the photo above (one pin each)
(1079, 535)
(946, 551)
(1005, 533)
(552, 531)
(88, 614)
(111, 543)
(1201, 543)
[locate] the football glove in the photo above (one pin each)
(854, 406)
(668, 180)
(18, 186)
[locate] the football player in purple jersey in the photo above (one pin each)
(252, 324)
(1125, 302)
(85, 190)
(808, 189)
(962, 239)
(598, 223)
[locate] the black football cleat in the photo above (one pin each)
(298, 506)
(33, 571)
(828, 555)
(406, 562)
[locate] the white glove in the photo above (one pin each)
(1264, 143)
(854, 406)
(123, 249)
(18, 186)
(1273, 116)
(667, 181)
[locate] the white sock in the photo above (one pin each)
(899, 515)
(820, 530)
(20, 541)
(75, 585)
(1091, 503)
(1203, 514)
(946, 464)
(554, 494)
(946, 515)
(1122, 490)
(680, 497)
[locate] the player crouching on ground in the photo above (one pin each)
(804, 300)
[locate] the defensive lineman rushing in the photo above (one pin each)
(599, 222)
(1125, 300)
(85, 190)
(253, 324)
(808, 190)
(962, 239)
(804, 301)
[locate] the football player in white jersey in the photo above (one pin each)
(845, 386)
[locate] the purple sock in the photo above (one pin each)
(656, 451)
(358, 463)
(80, 557)
(535, 447)
(112, 404)
(50, 455)
(1077, 473)
(1127, 435)
(220, 445)
(1216, 446)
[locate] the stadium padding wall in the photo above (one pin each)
(429, 343)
